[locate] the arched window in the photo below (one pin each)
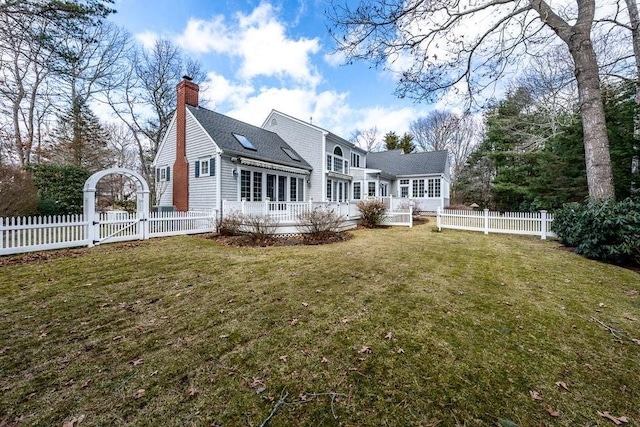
(336, 162)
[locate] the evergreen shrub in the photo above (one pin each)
(605, 230)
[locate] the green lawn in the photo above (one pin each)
(398, 327)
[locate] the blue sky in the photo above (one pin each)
(276, 54)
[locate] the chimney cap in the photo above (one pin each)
(185, 77)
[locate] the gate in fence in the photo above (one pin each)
(29, 234)
(124, 228)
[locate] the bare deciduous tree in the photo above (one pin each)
(465, 47)
(443, 130)
(368, 139)
(147, 98)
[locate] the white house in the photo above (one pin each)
(206, 157)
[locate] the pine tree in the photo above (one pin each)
(80, 140)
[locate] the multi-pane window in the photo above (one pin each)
(296, 189)
(257, 186)
(371, 189)
(205, 167)
(404, 188)
(337, 191)
(384, 189)
(357, 190)
(282, 188)
(418, 188)
(245, 185)
(271, 187)
(433, 187)
(336, 163)
(163, 174)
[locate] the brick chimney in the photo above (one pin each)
(187, 95)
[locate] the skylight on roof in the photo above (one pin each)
(291, 154)
(245, 142)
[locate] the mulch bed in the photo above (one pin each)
(246, 240)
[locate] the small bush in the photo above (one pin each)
(260, 227)
(601, 229)
(318, 222)
(372, 213)
(229, 225)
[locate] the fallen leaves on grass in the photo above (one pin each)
(616, 420)
(192, 391)
(283, 357)
(563, 385)
(400, 351)
(389, 336)
(552, 411)
(137, 362)
(294, 321)
(138, 394)
(535, 395)
(365, 349)
(305, 304)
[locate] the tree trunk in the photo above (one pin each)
(634, 19)
(596, 141)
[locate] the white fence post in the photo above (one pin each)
(486, 221)
(543, 225)
(438, 219)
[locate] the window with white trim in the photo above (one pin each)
(205, 167)
(296, 189)
(336, 163)
(418, 188)
(163, 173)
(433, 187)
(355, 160)
(371, 189)
(404, 187)
(357, 190)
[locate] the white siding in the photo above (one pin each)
(229, 183)
(202, 190)
(166, 157)
(307, 141)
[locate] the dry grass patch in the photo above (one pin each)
(392, 327)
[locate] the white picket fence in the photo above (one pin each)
(29, 234)
(529, 223)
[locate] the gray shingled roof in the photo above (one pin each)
(268, 144)
(397, 163)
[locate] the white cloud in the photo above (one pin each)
(335, 59)
(147, 39)
(217, 90)
(259, 40)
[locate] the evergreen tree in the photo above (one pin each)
(393, 142)
(80, 140)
